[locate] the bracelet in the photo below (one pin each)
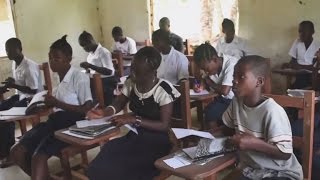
(113, 108)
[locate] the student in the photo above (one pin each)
(27, 81)
(175, 40)
(260, 127)
(174, 64)
(124, 45)
(99, 60)
(70, 102)
(230, 44)
(219, 78)
(303, 51)
(151, 102)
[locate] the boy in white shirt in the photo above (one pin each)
(99, 60)
(125, 45)
(27, 81)
(303, 53)
(174, 64)
(219, 78)
(260, 127)
(230, 44)
(70, 101)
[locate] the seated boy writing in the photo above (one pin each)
(260, 127)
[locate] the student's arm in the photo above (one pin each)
(51, 101)
(132, 47)
(218, 88)
(162, 125)
(101, 70)
(294, 64)
(248, 142)
(10, 83)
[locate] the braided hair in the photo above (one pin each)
(85, 36)
(150, 55)
(63, 46)
(204, 52)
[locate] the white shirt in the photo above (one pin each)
(304, 56)
(173, 67)
(226, 75)
(74, 89)
(237, 48)
(269, 122)
(127, 47)
(101, 57)
(27, 74)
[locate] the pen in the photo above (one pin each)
(96, 106)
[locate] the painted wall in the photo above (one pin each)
(132, 16)
(40, 23)
(271, 26)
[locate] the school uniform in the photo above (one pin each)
(101, 57)
(304, 57)
(27, 73)
(133, 155)
(237, 48)
(269, 122)
(127, 47)
(176, 42)
(173, 67)
(216, 108)
(74, 89)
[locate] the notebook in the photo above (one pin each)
(91, 131)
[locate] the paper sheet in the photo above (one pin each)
(76, 135)
(15, 111)
(203, 92)
(131, 128)
(93, 122)
(181, 133)
(176, 162)
(38, 97)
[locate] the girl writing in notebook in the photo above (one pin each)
(151, 102)
(70, 102)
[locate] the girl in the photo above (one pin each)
(70, 103)
(151, 102)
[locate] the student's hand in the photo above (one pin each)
(95, 114)
(50, 101)
(85, 65)
(123, 119)
(243, 141)
(208, 81)
(9, 82)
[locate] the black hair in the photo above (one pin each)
(150, 55)
(204, 52)
(227, 24)
(164, 20)
(161, 35)
(85, 36)
(258, 65)
(62, 45)
(308, 24)
(14, 43)
(117, 31)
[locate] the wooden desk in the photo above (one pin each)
(199, 102)
(22, 120)
(290, 73)
(207, 172)
(86, 142)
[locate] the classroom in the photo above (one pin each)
(159, 89)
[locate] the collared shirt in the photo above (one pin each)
(127, 47)
(226, 74)
(101, 57)
(27, 74)
(177, 42)
(74, 89)
(173, 67)
(269, 122)
(304, 56)
(237, 48)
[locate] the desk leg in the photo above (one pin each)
(23, 126)
(289, 79)
(65, 164)
(200, 114)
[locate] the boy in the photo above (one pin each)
(219, 78)
(70, 102)
(230, 44)
(27, 81)
(99, 60)
(174, 64)
(124, 45)
(175, 40)
(303, 51)
(260, 127)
